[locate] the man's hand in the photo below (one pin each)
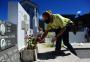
(40, 40)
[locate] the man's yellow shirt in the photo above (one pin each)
(58, 22)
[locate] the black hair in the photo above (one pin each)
(46, 14)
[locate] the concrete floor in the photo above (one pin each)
(45, 55)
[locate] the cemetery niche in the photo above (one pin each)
(8, 35)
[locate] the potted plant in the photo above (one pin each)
(30, 54)
(32, 44)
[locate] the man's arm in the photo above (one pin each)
(44, 34)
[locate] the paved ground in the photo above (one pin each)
(45, 55)
(84, 53)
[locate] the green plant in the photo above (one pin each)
(32, 43)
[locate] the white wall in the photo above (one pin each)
(21, 33)
(16, 15)
(78, 38)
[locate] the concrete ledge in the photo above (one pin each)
(81, 45)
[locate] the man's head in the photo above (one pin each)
(47, 16)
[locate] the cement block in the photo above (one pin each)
(29, 55)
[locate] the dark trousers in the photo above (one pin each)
(65, 37)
